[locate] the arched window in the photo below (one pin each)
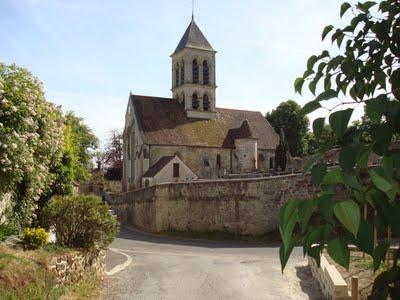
(146, 183)
(195, 102)
(206, 73)
(183, 101)
(177, 76)
(195, 71)
(183, 73)
(218, 161)
(206, 103)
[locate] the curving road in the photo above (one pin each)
(167, 268)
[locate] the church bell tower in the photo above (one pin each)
(193, 74)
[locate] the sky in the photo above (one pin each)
(90, 54)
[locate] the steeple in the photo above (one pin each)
(193, 38)
(193, 74)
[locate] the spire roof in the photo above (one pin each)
(193, 38)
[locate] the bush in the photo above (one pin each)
(81, 221)
(34, 238)
(7, 230)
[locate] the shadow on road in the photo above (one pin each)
(308, 286)
(129, 233)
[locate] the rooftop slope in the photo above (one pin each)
(164, 122)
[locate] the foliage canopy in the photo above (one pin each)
(287, 117)
(367, 71)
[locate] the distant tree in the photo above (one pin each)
(85, 143)
(295, 126)
(113, 156)
(281, 152)
(313, 143)
(75, 164)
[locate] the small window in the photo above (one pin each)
(195, 71)
(260, 157)
(183, 73)
(271, 163)
(206, 73)
(146, 183)
(195, 102)
(206, 162)
(177, 76)
(145, 153)
(176, 170)
(206, 103)
(218, 161)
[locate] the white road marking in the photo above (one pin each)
(120, 267)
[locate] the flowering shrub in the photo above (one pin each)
(34, 238)
(31, 137)
(81, 221)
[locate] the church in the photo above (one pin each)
(187, 137)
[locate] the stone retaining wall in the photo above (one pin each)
(71, 267)
(241, 206)
(332, 284)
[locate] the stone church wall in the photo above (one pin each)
(196, 158)
(242, 206)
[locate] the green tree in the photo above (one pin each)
(295, 126)
(84, 144)
(75, 163)
(31, 138)
(366, 70)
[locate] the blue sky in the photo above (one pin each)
(90, 54)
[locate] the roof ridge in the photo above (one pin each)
(254, 111)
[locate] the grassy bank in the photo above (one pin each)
(25, 275)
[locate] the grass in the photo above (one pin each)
(273, 236)
(25, 275)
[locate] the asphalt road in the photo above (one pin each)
(168, 268)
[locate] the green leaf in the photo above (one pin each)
(367, 5)
(284, 253)
(363, 156)
(288, 216)
(326, 95)
(378, 178)
(318, 172)
(339, 39)
(305, 211)
(348, 213)
(339, 121)
(325, 205)
(318, 127)
(352, 181)
(379, 254)
(333, 177)
(343, 8)
(298, 85)
(348, 158)
(315, 252)
(326, 30)
(339, 252)
(311, 162)
(364, 240)
(311, 62)
(310, 107)
(395, 81)
(312, 237)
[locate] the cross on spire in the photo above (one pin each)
(192, 10)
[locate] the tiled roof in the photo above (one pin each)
(193, 38)
(158, 166)
(164, 122)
